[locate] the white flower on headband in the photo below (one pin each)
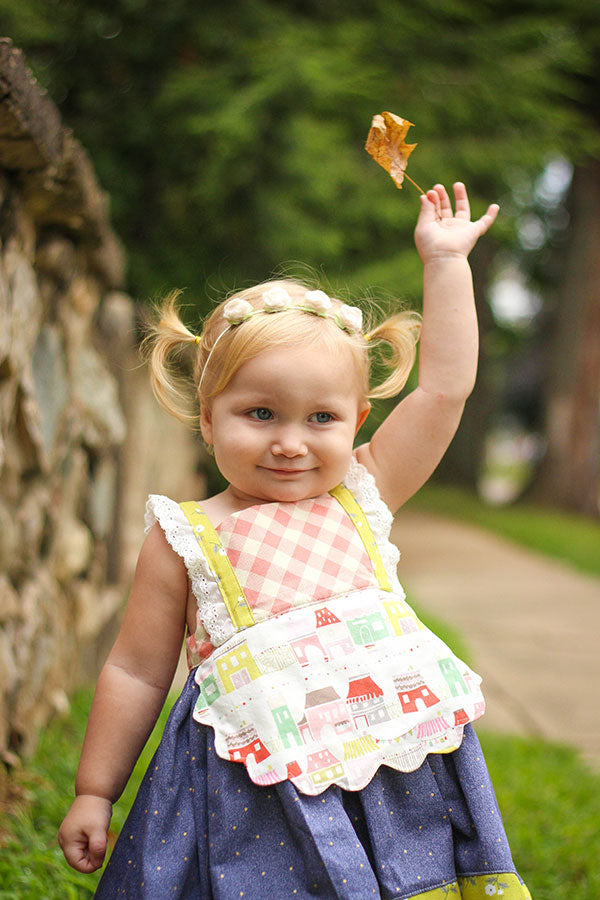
(235, 311)
(350, 317)
(276, 298)
(317, 301)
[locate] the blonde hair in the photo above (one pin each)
(220, 349)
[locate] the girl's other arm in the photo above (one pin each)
(407, 447)
(129, 695)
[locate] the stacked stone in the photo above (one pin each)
(61, 419)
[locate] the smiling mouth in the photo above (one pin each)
(286, 471)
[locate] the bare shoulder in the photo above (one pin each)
(153, 626)
(159, 564)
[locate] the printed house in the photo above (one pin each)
(308, 646)
(358, 757)
(413, 692)
(287, 728)
(367, 629)
(323, 766)
(209, 692)
(366, 702)
(401, 616)
(325, 711)
(432, 727)
(246, 743)
(237, 668)
(333, 634)
(454, 679)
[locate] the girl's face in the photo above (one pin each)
(284, 427)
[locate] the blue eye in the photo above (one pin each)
(262, 414)
(322, 418)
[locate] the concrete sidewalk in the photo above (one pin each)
(532, 625)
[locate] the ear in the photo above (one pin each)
(362, 415)
(206, 423)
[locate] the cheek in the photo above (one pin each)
(340, 449)
(233, 441)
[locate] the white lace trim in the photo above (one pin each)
(362, 484)
(180, 535)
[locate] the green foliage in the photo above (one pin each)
(230, 137)
(568, 537)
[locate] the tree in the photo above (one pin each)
(230, 137)
(569, 475)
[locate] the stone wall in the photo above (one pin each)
(72, 476)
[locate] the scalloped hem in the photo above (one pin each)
(507, 885)
(405, 762)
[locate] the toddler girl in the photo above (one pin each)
(322, 745)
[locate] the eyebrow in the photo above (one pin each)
(265, 398)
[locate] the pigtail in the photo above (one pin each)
(400, 334)
(166, 341)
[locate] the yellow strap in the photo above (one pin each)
(346, 498)
(229, 586)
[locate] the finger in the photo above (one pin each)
(463, 209)
(444, 205)
(429, 207)
(77, 857)
(488, 218)
(97, 847)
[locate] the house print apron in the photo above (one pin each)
(318, 671)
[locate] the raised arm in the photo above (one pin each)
(407, 447)
(129, 695)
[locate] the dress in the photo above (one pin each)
(322, 741)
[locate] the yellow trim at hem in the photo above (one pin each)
(478, 887)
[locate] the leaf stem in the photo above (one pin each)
(408, 178)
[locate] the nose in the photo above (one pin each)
(289, 443)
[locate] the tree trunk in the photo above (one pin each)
(570, 471)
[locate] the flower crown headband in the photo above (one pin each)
(277, 299)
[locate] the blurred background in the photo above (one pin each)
(230, 140)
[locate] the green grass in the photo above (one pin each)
(564, 536)
(32, 866)
(550, 802)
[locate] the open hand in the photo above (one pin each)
(442, 233)
(83, 834)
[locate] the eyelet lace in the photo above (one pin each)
(362, 484)
(180, 535)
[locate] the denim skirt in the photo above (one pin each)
(200, 829)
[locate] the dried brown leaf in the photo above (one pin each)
(386, 144)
